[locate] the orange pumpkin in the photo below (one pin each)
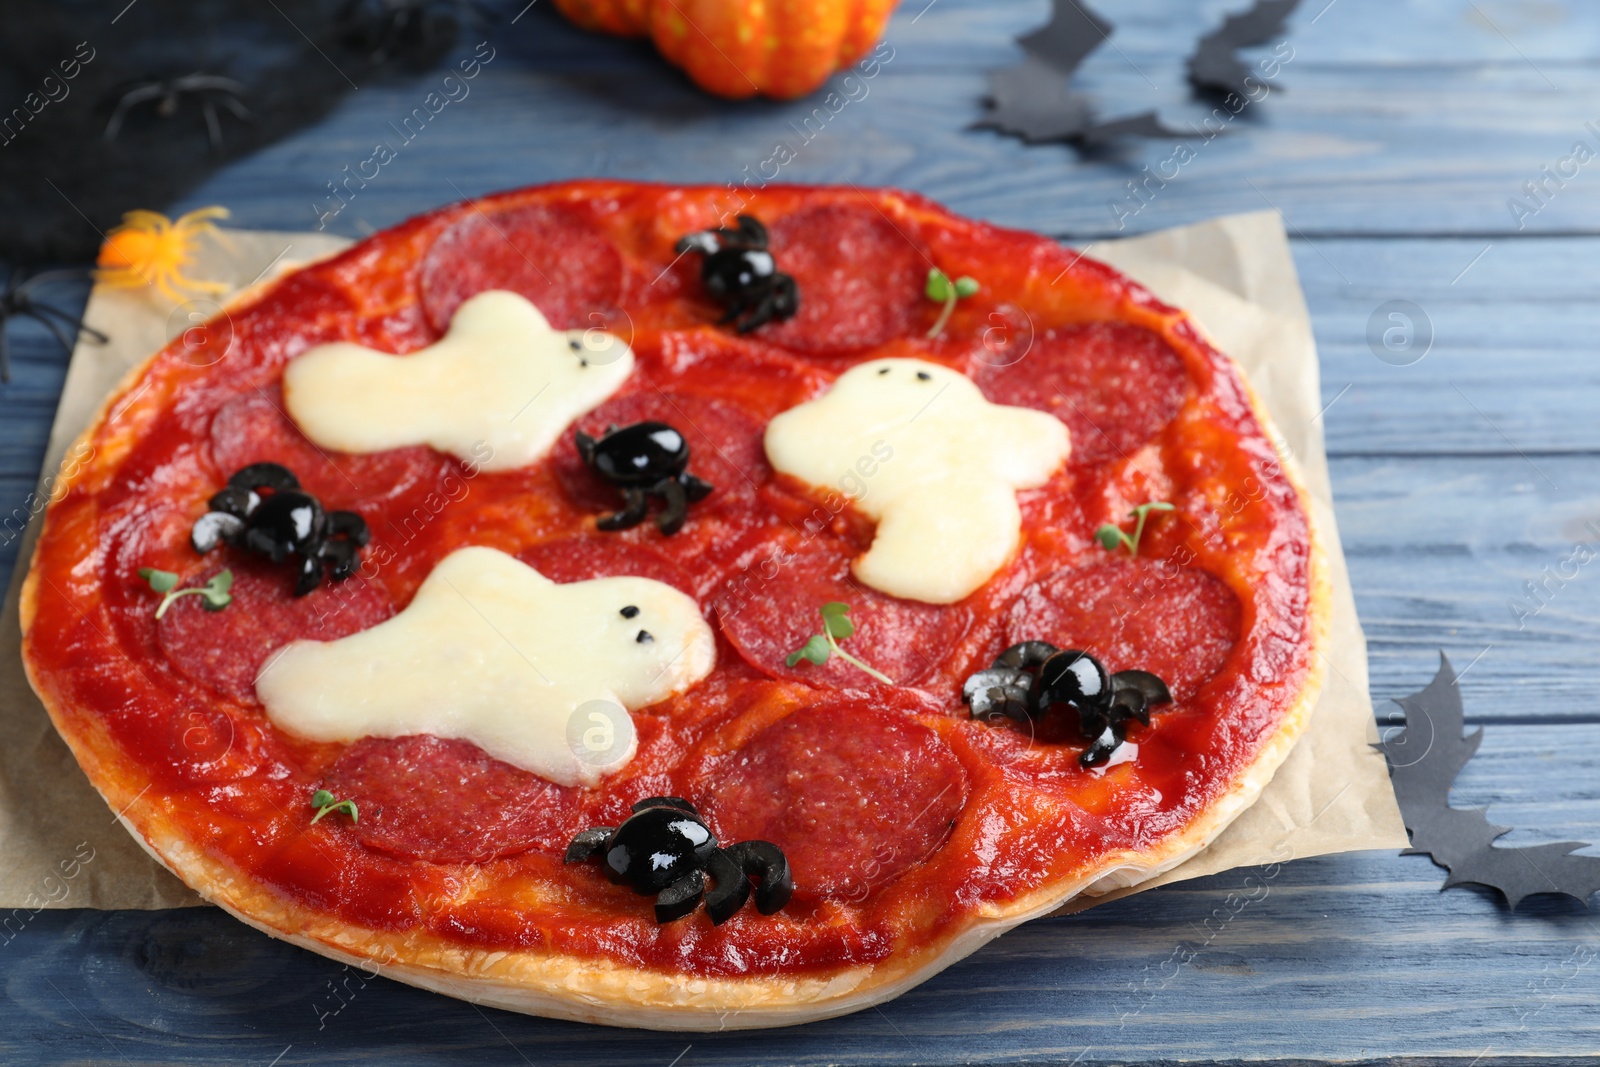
(738, 48)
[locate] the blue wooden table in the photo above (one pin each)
(1403, 139)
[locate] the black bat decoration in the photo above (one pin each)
(1424, 759)
(1035, 101)
(1213, 68)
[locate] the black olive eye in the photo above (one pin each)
(644, 637)
(629, 612)
(883, 370)
(924, 376)
(574, 344)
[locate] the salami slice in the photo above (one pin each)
(860, 278)
(769, 605)
(226, 649)
(1115, 385)
(854, 795)
(725, 448)
(549, 253)
(577, 559)
(449, 801)
(1176, 622)
(253, 428)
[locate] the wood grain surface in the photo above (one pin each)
(1464, 466)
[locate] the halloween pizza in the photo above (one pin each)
(679, 607)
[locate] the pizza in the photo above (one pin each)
(688, 608)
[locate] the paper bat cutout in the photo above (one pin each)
(1214, 68)
(1035, 101)
(1424, 759)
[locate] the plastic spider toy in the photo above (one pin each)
(150, 249)
(644, 460)
(17, 302)
(665, 848)
(739, 271)
(167, 94)
(264, 510)
(1027, 680)
(419, 32)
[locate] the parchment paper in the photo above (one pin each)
(1234, 274)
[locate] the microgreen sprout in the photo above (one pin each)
(836, 626)
(325, 802)
(215, 593)
(941, 288)
(1111, 536)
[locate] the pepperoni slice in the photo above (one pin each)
(725, 448)
(448, 801)
(768, 608)
(577, 559)
(854, 795)
(226, 649)
(1176, 622)
(253, 428)
(860, 278)
(549, 253)
(1115, 385)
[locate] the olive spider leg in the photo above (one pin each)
(635, 506)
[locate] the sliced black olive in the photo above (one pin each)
(681, 897)
(283, 522)
(234, 501)
(665, 802)
(1101, 748)
(1074, 677)
(1027, 654)
(350, 526)
(1153, 688)
(999, 693)
(766, 861)
(264, 476)
(214, 527)
(732, 887)
(1130, 704)
(587, 844)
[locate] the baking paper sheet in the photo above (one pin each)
(63, 846)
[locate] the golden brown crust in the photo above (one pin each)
(583, 989)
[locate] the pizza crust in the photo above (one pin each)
(603, 992)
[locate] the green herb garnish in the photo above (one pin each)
(1110, 535)
(215, 592)
(325, 802)
(941, 288)
(836, 626)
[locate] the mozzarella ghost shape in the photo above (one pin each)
(539, 675)
(945, 496)
(500, 383)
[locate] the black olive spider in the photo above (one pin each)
(644, 460)
(18, 301)
(167, 93)
(664, 848)
(740, 272)
(264, 510)
(1028, 679)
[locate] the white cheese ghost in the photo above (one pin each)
(490, 651)
(945, 498)
(500, 381)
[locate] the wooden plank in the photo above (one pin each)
(1350, 147)
(1339, 958)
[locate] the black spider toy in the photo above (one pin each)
(166, 93)
(644, 460)
(418, 32)
(264, 510)
(17, 301)
(1027, 680)
(665, 848)
(739, 271)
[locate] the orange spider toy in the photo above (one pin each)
(151, 249)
